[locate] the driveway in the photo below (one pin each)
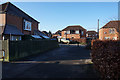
(68, 61)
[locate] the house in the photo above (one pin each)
(14, 23)
(92, 34)
(74, 32)
(46, 33)
(110, 31)
(49, 34)
(57, 34)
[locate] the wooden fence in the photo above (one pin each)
(19, 49)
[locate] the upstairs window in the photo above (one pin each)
(105, 32)
(68, 32)
(27, 25)
(72, 31)
(96, 35)
(86, 35)
(82, 32)
(111, 31)
(77, 31)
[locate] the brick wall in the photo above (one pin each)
(102, 35)
(80, 40)
(14, 20)
(76, 36)
(18, 22)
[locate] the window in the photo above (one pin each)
(65, 32)
(77, 31)
(82, 32)
(16, 38)
(111, 31)
(96, 35)
(107, 38)
(72, 31)
(86, 35)
(114, 38)
(27, 25)
(68, 32)
(105, 32)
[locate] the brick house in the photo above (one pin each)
(14, 23)
(57, 34)
(74, 32)
(92, 34)
(110, 31)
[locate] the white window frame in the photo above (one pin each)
(114, 38)
(77, 32)
(107, 38)
(29, 25)
(68, 32)
(111, 31)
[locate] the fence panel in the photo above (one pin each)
(20, 49)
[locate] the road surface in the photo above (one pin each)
(68, 61)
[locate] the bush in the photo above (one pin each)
(106, 58)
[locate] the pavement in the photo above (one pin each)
(68, 61)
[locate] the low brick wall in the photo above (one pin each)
(79, 40)
(106, 58)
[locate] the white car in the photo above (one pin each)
(65, 40)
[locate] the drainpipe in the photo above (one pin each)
(10, 36)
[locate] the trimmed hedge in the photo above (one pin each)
(106, 58)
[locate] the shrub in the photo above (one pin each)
(106, 58)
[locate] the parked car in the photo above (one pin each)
(63, 40)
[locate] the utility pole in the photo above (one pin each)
(98, 28)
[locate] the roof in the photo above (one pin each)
(74, 27)
(45, 32)
(36, 36)
(12, 9)
(58, 32)
(10, 29)
(37, 32)
(91, 32)
(113, 24)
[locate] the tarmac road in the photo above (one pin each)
(68, 61)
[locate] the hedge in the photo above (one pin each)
(106, 58)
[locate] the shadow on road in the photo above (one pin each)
(68, 61)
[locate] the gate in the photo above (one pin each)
(1, 51)
(4, 50)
